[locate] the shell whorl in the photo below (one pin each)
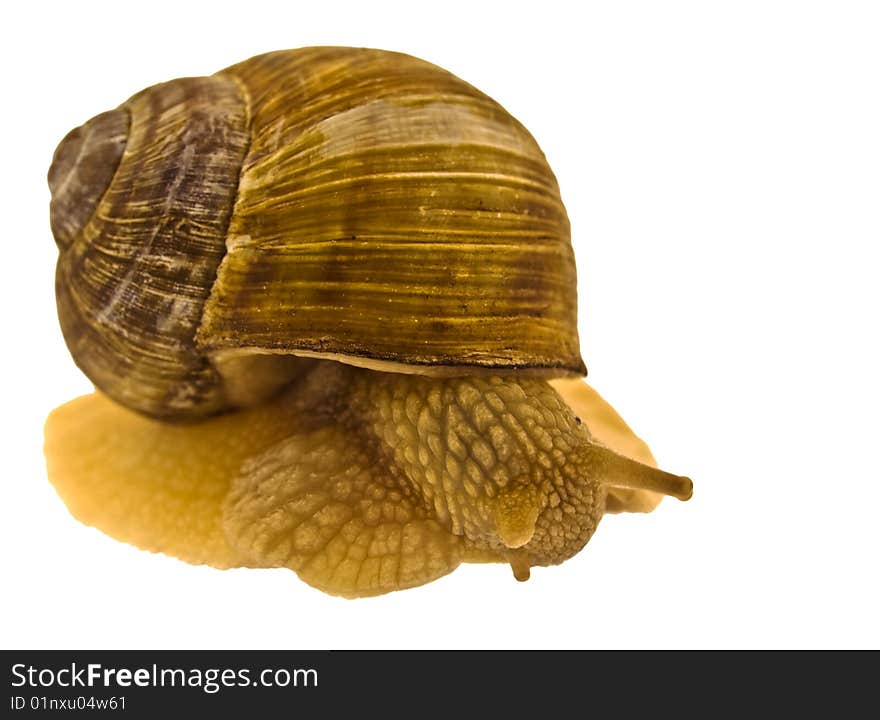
(132, 283)
(343, 203)
(82, 169)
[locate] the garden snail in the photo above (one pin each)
(328, 299)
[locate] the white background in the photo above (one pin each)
(721, 167)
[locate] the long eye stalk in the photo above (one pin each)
(622, 472)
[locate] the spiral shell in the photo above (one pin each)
(358, 205)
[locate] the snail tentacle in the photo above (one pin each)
(619, 471)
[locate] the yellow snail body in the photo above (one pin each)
(328, 299)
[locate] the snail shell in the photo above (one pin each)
(357, 205)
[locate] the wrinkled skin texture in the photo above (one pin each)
(362, 482)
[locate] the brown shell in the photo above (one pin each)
(355, 204)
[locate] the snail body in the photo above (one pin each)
(357, 268)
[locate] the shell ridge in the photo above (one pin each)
(248, 129)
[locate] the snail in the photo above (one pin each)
(328, 301)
